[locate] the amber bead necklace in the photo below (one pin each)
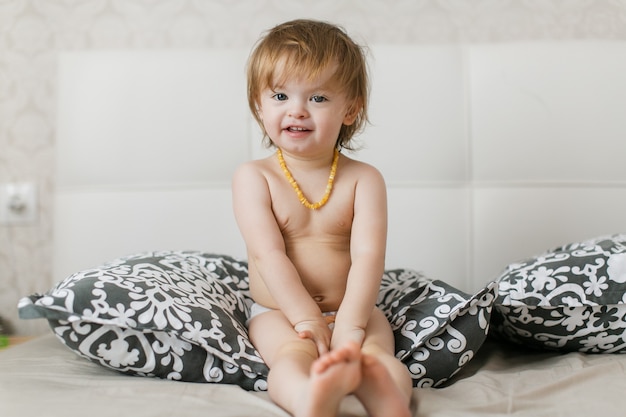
(296, 187)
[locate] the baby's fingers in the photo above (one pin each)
(306, 334)
(321, 346)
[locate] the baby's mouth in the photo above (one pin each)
(297, 129)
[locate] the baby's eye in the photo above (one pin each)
(318, 99)
(280, 96)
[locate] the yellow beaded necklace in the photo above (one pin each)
(296, 187)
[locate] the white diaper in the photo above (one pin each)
(256, 309)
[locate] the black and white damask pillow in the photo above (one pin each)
(174, 315)
(572, 298)
(182, 315)
(438, 329)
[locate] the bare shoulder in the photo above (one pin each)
(252, 167)
(364, 173)
(250, 171)
(250, 182)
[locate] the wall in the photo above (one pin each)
(34, 32)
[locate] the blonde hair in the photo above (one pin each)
(306, 48)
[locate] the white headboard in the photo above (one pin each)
(491, 153)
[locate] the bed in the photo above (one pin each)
(43, 378)
(545, 338)
(505, 331)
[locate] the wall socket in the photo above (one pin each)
(18, 203)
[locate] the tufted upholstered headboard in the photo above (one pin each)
(491, 153)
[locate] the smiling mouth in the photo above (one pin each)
(297, 129)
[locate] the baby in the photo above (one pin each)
(315, 226)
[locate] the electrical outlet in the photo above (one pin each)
(18, 203)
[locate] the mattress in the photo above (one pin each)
(44, 378)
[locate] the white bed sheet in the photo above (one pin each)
(43, 378)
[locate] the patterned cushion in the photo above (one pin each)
(174, 315)
(572, 298)
(182, 315)
(437, 328)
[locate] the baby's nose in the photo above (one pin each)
(298, 110)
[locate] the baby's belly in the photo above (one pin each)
(323, 272)
(324, 275)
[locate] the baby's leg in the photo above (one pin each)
(333, 376)
(379, 392)
(386, 386)
(294, 383)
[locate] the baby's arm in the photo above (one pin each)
(266, 250)
(367, 249)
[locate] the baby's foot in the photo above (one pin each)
(345, 354)
(378, 391)
(333, 376)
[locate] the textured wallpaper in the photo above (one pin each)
(33, 31)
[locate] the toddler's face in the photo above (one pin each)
(305, 116)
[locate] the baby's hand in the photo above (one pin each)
(342, 335)
(316, 330)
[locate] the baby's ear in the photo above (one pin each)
(351, 113)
